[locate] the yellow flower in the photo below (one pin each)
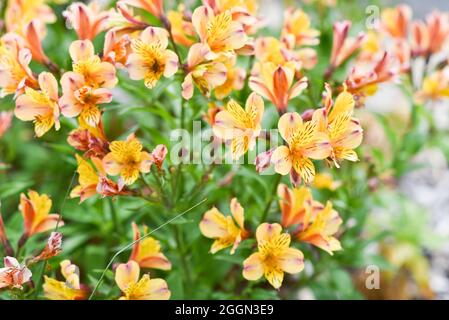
(318, 228)
(344, 131)
(19, 13)
(40, 106)
(274, 256)
(127, 279)
(127, 159)
(15, 72)
(435, 86)
(241, 126)
(71, 289)
(235, 79)
(297, 25)
(276, 83)
(35, 211)
(150, 58)
(88, 179)
(96, 73)
(325, 181)
(222, 228)
(182, 30)
(304, 142)
(396, 20)
(219, 33)
(147, 252)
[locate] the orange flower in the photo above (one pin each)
(235, 79)
(41, 106)
(150, 58)
(297, 25)
(127, 160)
(127, 279)
(15, 72)
(155, 7)
(241, 126)
(342, 46)
(5, 121)
(429, 37)
(276, 83)
(71, 289)
(222, 228)
(434, 87)
(147, 252)
(218, 33)
(13, 275)
(304, 142)
(318, 228)
(396, 20)
(336, 120)
(206, 75)
(35, 211)
(87, 20)
(116, 48)
(182, 29)
(52, 248)
(91, 140)
(274, 256)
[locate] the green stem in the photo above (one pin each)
(271, 198)
(182, 257)
(117, 225)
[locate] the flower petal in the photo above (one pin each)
(252, 267)
(126, 274)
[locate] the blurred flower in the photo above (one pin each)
(15, 73)
(434, 87)
(116, 48)
(206, 75)
(241, 126)
(33, 42)
(274, 256)
(41, 106)
(396, 20)
(36, 213)
(155, 7)
(235, 79)
(150, 58)
(430, 37)
(5, 121)
(342, 46)
(159, 153)
(298, 26)
(127, 279)
(13, 275)
(318, 228)
(127, 160)
(218, 33)
(182, 29)
(147, 252)
(87, 20)
(326, 181)
(70, 289)
(304, 142)
(336, 120)
(276, 83)
(80, 99)
(263, 160)
(222, 228)
(52, 248)
(295, 204)
(96, 73)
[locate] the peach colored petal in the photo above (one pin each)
(126, 274)
(252, 267)
(282, 160)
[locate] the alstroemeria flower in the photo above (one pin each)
(182, 29)
(87, 20)
(127, 160)
(241, 126)
(222, 228)
(297, 25)
(429, 37)
(326, 181)
(159, 153)
(96, 73)
(396, 20)
(434, 87)
(91, 140)
(304, 142)
(155, 7)
(70, 289)
(318, 228)
(41, 106)
(147, 252)
(13, 275)
(150, 58)
(36, 213)
(235, 79)
(116, 48)
(206, 75)
(276, 83)
(127, 279)
(80, 99)
(342, 46)
(52, 248)
(5, 121)
(274, 256)
(219, 33)
(15, 72)
(336, 120)
(295, 204)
